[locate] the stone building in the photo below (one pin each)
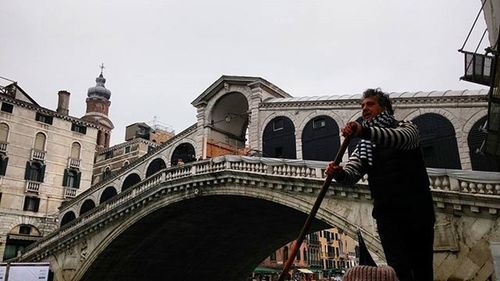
(338, 251)
(112, 159)
(46, 157)
(140, 138)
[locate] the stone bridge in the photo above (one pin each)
(217, 219)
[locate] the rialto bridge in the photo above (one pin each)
(218, 217)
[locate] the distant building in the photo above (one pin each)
(323, 254)
(155, 133)
(46, 157)
(338, 251)
(140, 138)
(112, 159)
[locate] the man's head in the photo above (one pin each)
(374, 102)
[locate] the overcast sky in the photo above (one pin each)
(160, 55)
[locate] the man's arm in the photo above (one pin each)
(403, 137)
(349, 174)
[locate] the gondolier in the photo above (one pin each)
(389, 153)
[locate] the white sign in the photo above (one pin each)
(28, 272)
(3, 268)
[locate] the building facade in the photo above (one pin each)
(46, 157)
(323, 254)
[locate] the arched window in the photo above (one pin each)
(4, 132)
(75, 150)
(437, 141)
(87, 206)
(278, 139)
(130, 180)
(155, 166)
(320, 139)
(107, 173)
(19, 238)
(71, 178)
(107, 194)
(35, 171)
(40, 142)
(183, 152)
(67, 218)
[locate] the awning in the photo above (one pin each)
(24, 237)
(261, 269)
(305, 270)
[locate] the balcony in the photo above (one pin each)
(3, 147)
(478, 68)
(69, 192)
(74, 163)
(32, 186)
(37, 155)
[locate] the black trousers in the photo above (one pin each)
(408, 247)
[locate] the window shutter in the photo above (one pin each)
(42, 173)
(27, 172)
(65, 178)
(77, 180)
(3, 166)
(37, 201)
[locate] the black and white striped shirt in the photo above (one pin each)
(403, 137)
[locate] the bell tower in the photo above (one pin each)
(97, 110)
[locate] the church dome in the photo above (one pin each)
(99, 90)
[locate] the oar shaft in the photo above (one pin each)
(314, 210)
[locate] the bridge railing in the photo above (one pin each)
(468, 182)
(442, 180)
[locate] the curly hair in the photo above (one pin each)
(383, 99)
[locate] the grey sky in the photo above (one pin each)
(160, 55)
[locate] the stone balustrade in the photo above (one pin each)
(3, 147)
(70, 192)
(441, 181)
(74, 163)
(37, 154)
(32, 186)
(465, 182)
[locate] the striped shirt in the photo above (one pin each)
(404, 137)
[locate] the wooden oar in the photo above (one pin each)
(314, 210)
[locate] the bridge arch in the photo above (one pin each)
(177, 207)
(68, 217)
(108, 192)
(130, 180)
(154, 166)
(87, 206)
(320, 139)
(279, 139)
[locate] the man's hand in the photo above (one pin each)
(334, 170)
(352, 129)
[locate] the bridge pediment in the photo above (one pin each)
(226, 81)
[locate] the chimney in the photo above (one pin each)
(63, 103)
